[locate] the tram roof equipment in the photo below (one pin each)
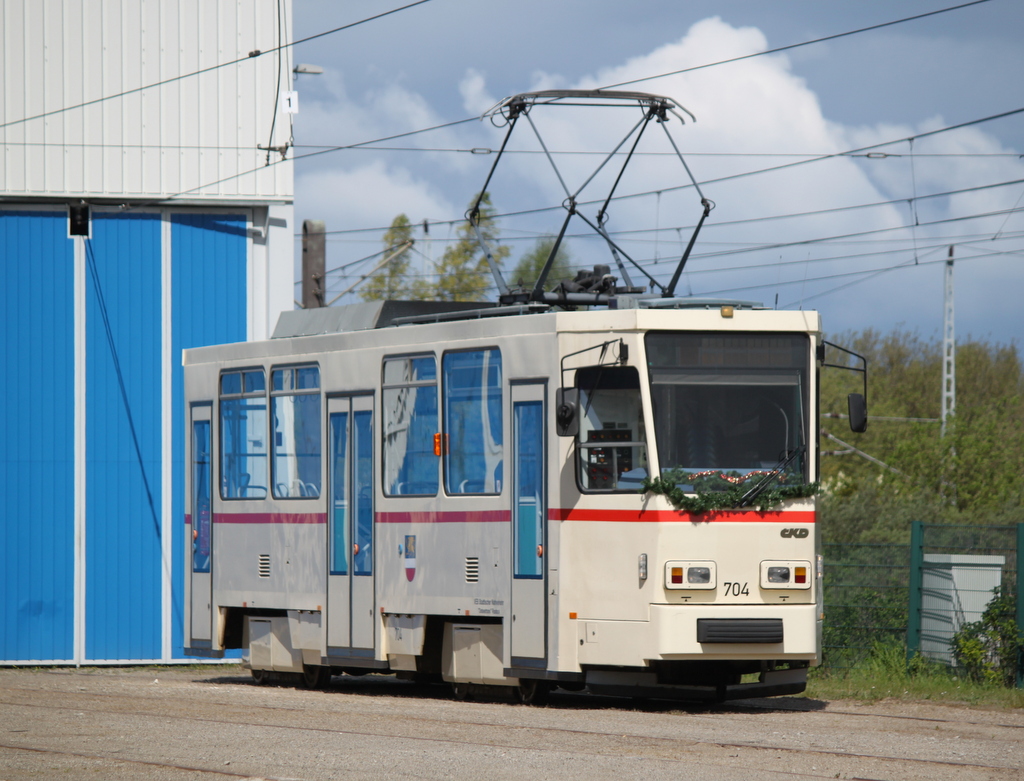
(587, 288)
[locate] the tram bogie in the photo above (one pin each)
(408, 499)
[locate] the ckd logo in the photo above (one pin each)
(798, 533)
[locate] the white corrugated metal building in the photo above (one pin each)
(152, 114)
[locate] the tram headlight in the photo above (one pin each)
(785, 574)
(698, 574)
(778, 574)
(690, 575)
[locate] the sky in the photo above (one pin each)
(797, 222)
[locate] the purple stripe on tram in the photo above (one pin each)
(429, 516)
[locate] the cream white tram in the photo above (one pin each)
(458, 496)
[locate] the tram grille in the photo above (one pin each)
(264, 565)
(739, 630)
(472, 569)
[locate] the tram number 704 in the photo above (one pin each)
(736, 589)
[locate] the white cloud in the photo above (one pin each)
(369, 195)
(475, 98)
(746, 111)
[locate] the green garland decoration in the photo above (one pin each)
(719, 492)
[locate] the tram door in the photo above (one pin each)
(350, 623)
(529, 526)
(200, 510)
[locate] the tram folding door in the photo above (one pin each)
(529, 526)
(350, 623)
(200, 532)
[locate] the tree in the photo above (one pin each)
(463, 273)
(391, 281)
(530, 265)
(969, 476)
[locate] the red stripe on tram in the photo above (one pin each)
(670, 516)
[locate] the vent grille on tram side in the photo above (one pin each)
(472, 569)
(264, 565)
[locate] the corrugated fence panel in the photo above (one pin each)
(37, 436)
(209, 261)
(123, 414)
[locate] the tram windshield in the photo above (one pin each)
(729, 406)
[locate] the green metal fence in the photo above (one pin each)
(956, 572)
(923, 595)
(866, 589)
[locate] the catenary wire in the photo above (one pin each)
(726, 223)
(481, 150)
(796, 45)
(730, 177)
(474, 119)
(209, 69)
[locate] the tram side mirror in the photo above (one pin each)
(566, 403)
(858, 409)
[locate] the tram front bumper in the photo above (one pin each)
(702, 632)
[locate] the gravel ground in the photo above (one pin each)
(180, 723)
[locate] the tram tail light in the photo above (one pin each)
(800, 575)
(677, 575)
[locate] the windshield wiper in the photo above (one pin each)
(748, 498)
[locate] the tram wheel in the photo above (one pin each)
(260, 677)
(460, 691)
(315, 677)
(532, 692)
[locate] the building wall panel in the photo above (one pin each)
(209, 268)
(176, 106)
(116, 102)
(37, 432)
(123, 438)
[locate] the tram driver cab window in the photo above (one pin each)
(612, 442)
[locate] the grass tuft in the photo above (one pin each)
(886, 674)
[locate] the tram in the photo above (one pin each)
(591, 487)
(461, 495)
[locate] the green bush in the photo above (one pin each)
(988, 651)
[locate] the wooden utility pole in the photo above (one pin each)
(313, 263)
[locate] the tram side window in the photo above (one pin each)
(243, 435)
(409, 398)
(295, 406)
(473, 460)
(612, 443)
